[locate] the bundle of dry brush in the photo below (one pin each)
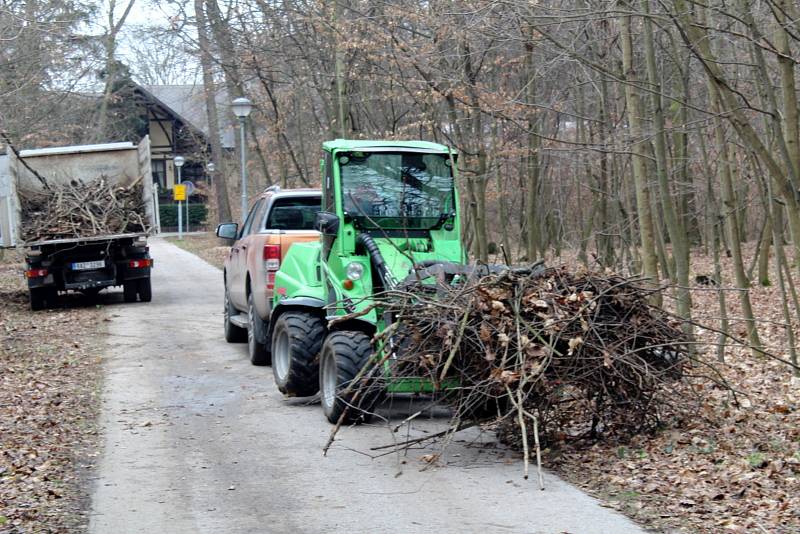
(572, 354)
(82, 209)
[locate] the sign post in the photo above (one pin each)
(189, 192)
(179, 194)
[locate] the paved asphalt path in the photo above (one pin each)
(198, 440)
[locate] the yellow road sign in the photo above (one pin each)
(179, 192)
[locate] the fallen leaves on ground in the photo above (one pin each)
(49, 387)
(727, 469)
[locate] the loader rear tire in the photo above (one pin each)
(344, 355)
(296, 342)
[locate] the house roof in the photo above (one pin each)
(188, 103)
(76, 149)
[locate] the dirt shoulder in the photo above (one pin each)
(207, 246)
(50, 373)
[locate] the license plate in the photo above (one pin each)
(88, 265)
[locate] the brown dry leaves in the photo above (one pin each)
(730, 470)
(49, 381)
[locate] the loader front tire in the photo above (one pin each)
(344, 355)
(296, 342)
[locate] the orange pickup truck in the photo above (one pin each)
(277, 219)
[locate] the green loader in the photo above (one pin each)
(390, 212)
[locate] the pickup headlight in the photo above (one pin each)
(354, 270)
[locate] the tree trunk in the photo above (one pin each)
(731, 226)
(643, 206)
(532, 157)
(219, 174)
(672, 219)
(110, 49)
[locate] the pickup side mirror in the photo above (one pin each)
(327, 223)
(227, 230)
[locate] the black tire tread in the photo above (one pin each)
(306, 334)
(353, 352)
(144, 289)
(129, 288)
(38, 299)
(258, 352)
(233, 334)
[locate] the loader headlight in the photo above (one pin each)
(354, 270)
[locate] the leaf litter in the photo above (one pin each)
(49, 400)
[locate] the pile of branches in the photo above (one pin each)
(562, 354)
(79, 209)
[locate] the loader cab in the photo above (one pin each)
(389, 190)
(389, 210)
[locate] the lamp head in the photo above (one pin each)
(179, 161)
(241, 107)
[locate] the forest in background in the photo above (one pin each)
(627, 133)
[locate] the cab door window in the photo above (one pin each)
(248, 223)
(258, 220)
(327, 185)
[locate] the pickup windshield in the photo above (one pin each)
(397, 190)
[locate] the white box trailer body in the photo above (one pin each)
(86, 264)
(120, 163)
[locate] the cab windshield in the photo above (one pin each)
(397, 190)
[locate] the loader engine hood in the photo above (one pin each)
(394, 258)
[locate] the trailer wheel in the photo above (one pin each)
(38, 298)
(129, 290)
(344, 355)
(256, 336)
(145, 289)
(296, 342)
(233, 333)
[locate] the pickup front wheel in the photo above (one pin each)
(296, 342)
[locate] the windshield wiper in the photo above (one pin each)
(443, 218)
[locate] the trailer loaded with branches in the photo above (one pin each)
(82, 215)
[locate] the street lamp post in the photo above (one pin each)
(210, 167)
(241, 108)
(179, 161)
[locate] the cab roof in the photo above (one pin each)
(383, 146)
(277, 192)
